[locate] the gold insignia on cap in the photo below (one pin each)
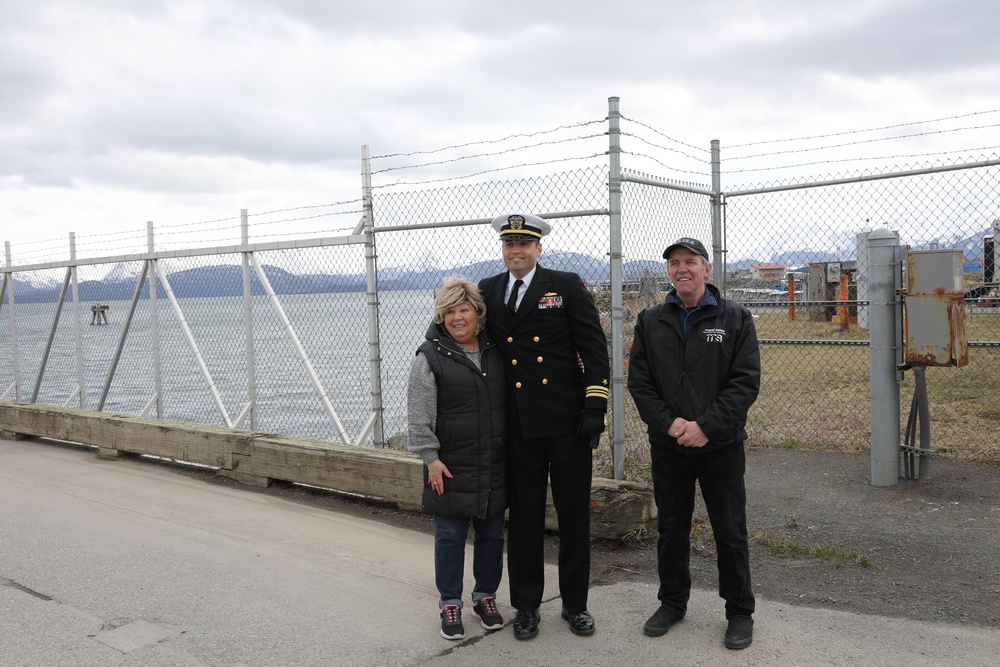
(516, 222)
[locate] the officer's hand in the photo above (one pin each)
(591, 423)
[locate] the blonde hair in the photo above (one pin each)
(457, 290)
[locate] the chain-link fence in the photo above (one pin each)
(793, 251)
(815, 388)
(419, 258)
(185, 355)
(313, 338)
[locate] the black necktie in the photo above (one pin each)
(512, 301)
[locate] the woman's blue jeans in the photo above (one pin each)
(450, 535)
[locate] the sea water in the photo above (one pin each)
(203, 371)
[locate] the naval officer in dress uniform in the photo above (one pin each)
(546, 327)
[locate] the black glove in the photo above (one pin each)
(591, 426)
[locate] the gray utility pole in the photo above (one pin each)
(886, 339)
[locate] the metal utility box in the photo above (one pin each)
(833, 272)
(823, 284)
(934, 313)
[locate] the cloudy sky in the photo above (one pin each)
(115, 112)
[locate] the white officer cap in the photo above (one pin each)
(521, 226)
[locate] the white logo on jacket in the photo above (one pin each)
(714, 335)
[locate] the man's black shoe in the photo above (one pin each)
(526, 623)
(581, 623)
(739, 634)
(661, 620)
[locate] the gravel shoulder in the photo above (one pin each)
(923, 549)
(823, 536)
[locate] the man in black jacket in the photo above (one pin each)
(546, 327)
(694, 372)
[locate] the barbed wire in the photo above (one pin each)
(873, 129)
(308, 206)
(864, 141)
(482, 155)
(665, 148)
(59, 246)
(95, 239)
(27, 257)
(666, 166)
(488, 171)
(526, 135)
(308, 217)
(256, 225)
(123, 237)
(54, 248)
(63, 240)
(337, 231)
(158, 227)
(676, 141)
(863, 159)
(233, 218)
(269, 222)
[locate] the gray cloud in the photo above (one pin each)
(303, 83)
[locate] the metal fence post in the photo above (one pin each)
(14, 354)
(617, 343)
(154, 324)
(882, 261)
(371, 273)
(248, 322)
(718, 245)
(78, 334)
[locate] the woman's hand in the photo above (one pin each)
(436, 472)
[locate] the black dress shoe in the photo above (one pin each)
(580, 623)
(526, 623)
(739, 634)
(661, 620)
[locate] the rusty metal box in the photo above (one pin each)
(934, 312)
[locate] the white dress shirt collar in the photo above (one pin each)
(510, 285)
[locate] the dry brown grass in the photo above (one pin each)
(817, 397)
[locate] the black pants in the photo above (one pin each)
(719, 473)
(567, 461)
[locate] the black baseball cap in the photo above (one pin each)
(694, 245)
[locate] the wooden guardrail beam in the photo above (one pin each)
(618, 508)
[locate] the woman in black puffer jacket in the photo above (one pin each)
(456, 418)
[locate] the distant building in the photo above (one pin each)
(767, 271)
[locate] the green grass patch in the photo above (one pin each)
(791, 549)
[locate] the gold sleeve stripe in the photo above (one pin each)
(597, 391)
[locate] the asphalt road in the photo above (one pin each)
(112, 563)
